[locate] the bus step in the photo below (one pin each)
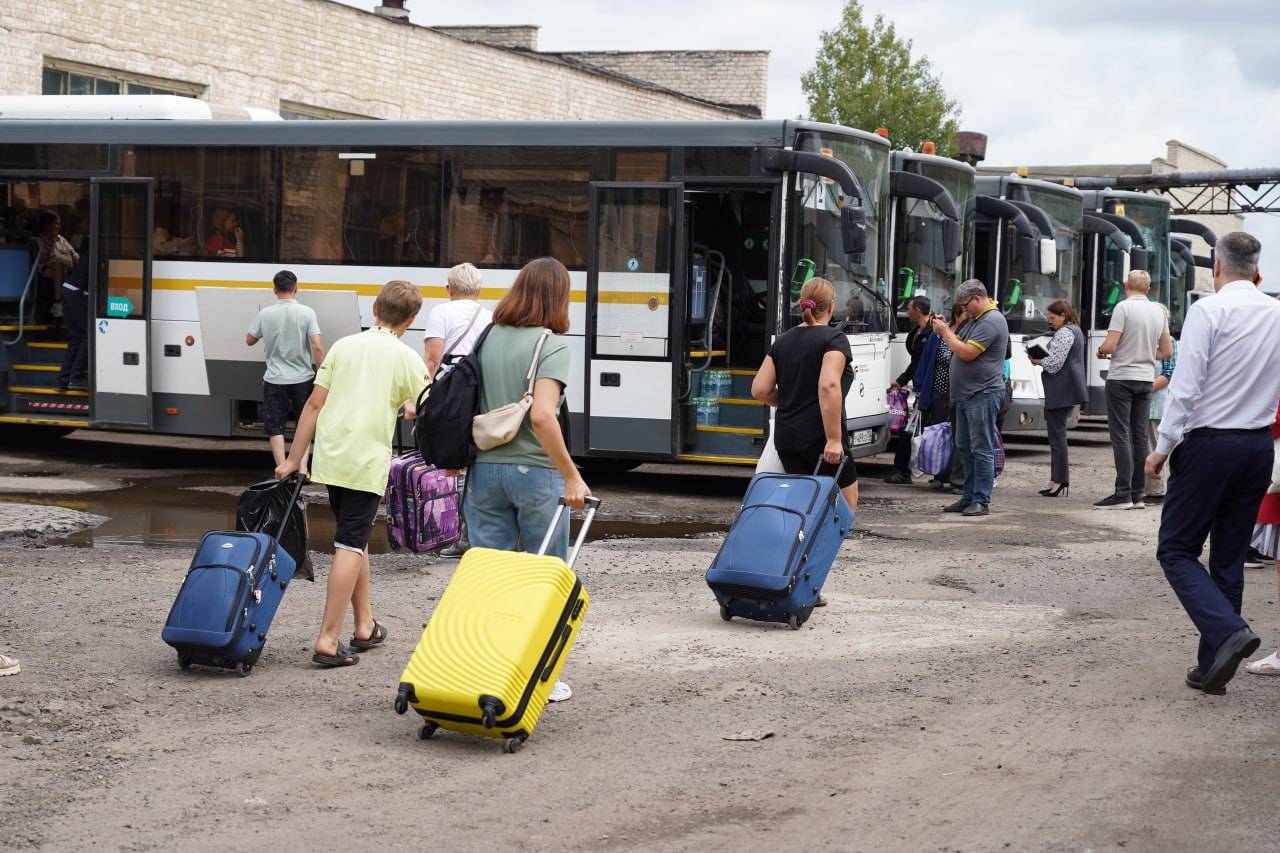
(53, 392)
(732, 430)
(13, 327)
(52, 406)
(65, 421)
(58, 345)
(716, 459)
(701, 353)
(37, 368)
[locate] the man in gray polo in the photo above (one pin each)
(1137, 339)
(977, 389)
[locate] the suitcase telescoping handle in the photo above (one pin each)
(839, 468)
(593, 504)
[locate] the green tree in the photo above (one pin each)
(866, 78)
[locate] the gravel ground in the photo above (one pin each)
(1011, 682)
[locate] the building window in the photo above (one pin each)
(294, 111)
(72, 78)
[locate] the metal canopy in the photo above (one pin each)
(1228, 191)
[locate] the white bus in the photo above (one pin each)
(682, 239)
(1028, 252)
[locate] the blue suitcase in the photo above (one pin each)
(229, 597)
(780, 548)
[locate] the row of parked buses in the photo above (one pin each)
(687, 243)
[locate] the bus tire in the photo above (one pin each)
(608, 467)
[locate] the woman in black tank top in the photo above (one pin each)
(807, 375)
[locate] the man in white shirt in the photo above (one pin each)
(1137, 338)
(452, 330)
(1221, 404)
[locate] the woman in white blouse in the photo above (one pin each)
(1064, 389)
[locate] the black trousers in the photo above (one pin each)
(75, 314)
(1216, 483)
(1056, 420)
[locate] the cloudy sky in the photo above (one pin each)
(1084, 81)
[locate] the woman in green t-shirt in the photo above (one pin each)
(514, 488)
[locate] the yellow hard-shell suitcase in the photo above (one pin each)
(497, 641)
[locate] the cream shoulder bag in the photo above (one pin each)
(498, 426)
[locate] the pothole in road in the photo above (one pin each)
(178, 511)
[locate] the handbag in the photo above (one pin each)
(499, 426)
(898, 404)
(998, 444)
(934, 456)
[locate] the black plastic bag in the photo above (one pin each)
(263, 506)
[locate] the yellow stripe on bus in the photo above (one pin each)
(429, 291)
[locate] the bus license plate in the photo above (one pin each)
(863, 436)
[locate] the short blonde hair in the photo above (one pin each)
(398, 302)
(464, 280)
(1139, 280)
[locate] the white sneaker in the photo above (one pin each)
(10, 666)
(561, 692)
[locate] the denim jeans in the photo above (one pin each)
(975, 443)
(508, 504)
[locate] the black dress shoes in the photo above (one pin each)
(1196, 682)
(1227, 660)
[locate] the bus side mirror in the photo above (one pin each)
(1139, 257)
(853, 230)
(1048, 256)
(1126, 264)
(952, 235)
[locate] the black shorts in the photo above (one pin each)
(354, 512)
(802, 461)
(279, 400)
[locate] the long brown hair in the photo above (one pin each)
(539, 297)
(1063, 308)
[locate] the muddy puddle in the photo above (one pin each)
(175, 512)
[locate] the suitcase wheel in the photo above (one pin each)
(725, 613)
(428, 729)
(794, 621)
(184, 662)
(512, 744)
(245, 668)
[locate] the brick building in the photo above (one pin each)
(324, 59)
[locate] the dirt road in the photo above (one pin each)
(1013, 682)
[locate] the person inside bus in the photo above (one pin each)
(806, 376)
(227, 239)
(359, 389)
(452, 330)
(513, 489)
(56, 260)
(1065, 388)
(74, 373)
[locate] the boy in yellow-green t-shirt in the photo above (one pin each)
(362, 383)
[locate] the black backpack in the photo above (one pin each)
(446, 408)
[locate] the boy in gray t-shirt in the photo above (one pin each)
(1137, 338)
(290, 333)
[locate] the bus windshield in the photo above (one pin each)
(922, 267)
(862, 290)
(1110, 282)
(1025, 306)
(1153, 221)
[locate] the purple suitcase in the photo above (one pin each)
(423, 512)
